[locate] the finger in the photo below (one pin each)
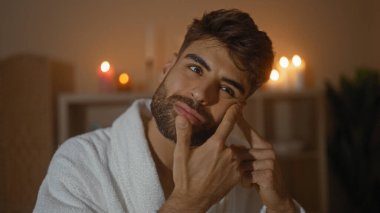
(242, 154)
(251, 135)
(246, 179)
(246, 166)
(249, 166)
(253, 154)
(264, 178)
(263, 154)
(228, 122)
(262, 165)
(183, 141)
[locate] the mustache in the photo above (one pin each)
(193, 104)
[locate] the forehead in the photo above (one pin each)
(210, 48)
(217, 57)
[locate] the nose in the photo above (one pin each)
(205, 93)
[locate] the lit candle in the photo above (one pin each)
(299, 66)
(274, 80)
(283, 68)
(123, 82)
(106, 77)
(284, 62)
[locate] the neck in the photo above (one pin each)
(162, 147)
(162, 152)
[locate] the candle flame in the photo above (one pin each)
(284, 62)
(123, 78)
(296, 60)
(105, 66)
(274, 75)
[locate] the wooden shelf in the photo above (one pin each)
(79, 113)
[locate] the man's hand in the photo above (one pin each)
(202, 175)
(259, 168)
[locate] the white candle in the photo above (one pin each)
(283, 69)
(274, 80)
(149, 57)
(149, 42)
(299, 66)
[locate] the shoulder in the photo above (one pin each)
(94, 140)
(81, 153)
(76, 167)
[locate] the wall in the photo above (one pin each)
(334, 37)
(374, 34)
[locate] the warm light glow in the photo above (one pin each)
(105, 66)
(274, 75)
(296, 60)
(284, 62)
(123, 78)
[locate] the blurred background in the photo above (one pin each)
(320, 108)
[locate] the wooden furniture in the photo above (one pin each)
(29, 86)
(292, 121)
(82, 113)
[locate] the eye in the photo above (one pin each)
(228, 91)
(196, 69)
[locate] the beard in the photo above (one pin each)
(163, 112)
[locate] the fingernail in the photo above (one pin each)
(181, 122)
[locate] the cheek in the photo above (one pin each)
(176, 84)
(218, 111)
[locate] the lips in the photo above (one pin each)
(189, 113)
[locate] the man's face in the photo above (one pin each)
(200, 86)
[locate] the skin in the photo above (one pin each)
(194, 178)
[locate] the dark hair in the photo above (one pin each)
(249, 48)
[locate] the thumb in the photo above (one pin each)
(183, 140)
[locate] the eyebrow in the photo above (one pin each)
(198, 59)
(202, 62)
(235, 84)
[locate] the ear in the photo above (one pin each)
(168, 66)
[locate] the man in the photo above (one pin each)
(170, 154)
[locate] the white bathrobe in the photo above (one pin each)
(112, 170)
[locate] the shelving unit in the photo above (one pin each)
(80, 113)
(293, 121)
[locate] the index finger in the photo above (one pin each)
(183, 134)
(225, 127)
(251, 135)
